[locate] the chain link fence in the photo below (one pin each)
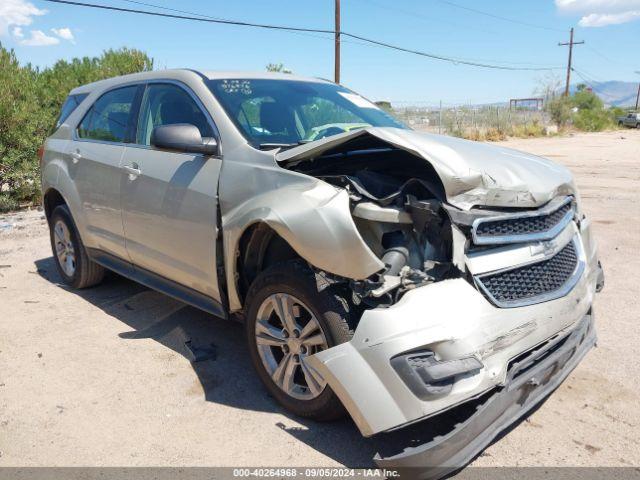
(485, 122)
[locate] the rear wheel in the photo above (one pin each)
(70, 256)
(287, 321)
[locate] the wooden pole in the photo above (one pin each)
(337, 44)
(571, 43)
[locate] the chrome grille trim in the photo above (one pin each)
(563, 290)
(542, 235)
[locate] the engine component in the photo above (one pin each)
(396, 254)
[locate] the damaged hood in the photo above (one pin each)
(472, 173)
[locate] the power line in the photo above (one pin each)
(602, 55)
(306, 34)
(591, 82)
(447, 59)
(299, 29)
(492, 15)
(414, 14)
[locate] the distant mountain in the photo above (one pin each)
(614, 92)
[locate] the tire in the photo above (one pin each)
(69, 254)
(293, 283)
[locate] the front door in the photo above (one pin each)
(169, 199)
(95, 155)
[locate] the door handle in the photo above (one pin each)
(75, 156)
(132, 170)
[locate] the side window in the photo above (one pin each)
(167, 104)
(69, 106)
(108, 118)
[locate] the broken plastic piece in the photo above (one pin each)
(200, 353)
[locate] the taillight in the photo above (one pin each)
(41, 154)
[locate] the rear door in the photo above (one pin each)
(95, 154)
(169, 199)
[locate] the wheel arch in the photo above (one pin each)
(259, 247)
(51, 199)
(315, 224)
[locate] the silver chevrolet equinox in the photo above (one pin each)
(397, 275)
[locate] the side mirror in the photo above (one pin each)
(182, 137)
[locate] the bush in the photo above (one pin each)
(586, 100)
(533, 129)
(559, 109)
(30, 100)
(7, 203)
(593, 120)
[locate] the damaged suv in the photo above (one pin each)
(394, 274)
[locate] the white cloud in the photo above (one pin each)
(64, 33)
(17, 32)
(18, 13)
(39, 39)
(604, 19)
(597, 6)
(599, 13)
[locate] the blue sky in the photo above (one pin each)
(611, 29)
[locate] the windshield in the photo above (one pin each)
(273, 113)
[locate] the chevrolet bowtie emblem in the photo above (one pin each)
(545, 248)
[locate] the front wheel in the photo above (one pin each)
(288, 320)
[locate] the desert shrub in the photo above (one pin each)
(559, 109)
(30, 100)
(494, 134)
(533, 129)
(7, 203)
(593, 120)
(22, 126)
(586, 100)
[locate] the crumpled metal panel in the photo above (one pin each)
(312, 216)
(472, 173)
(452, 319)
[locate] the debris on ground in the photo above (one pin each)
(200, 353)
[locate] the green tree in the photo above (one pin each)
(277, 67)
(20, 124)
(585, 99)
(30, 101)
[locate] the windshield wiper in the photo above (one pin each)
(270, 146)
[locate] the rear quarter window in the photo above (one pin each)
(69, 105)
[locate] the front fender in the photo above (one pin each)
(314, 219)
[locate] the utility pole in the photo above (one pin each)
(571, 43)
(336, 76)
(638, 96)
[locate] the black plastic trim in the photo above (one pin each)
(159, 283)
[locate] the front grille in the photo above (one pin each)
(525, 285)
(517, 228)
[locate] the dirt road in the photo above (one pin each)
(101, 378)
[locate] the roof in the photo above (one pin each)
(183, 73)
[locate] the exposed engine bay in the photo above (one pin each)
(396, 203)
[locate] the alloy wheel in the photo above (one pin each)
(287, 332)
(64, 248)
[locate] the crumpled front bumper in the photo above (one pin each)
(452, 321)
(528, 383)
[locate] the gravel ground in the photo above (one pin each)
(101, 377)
